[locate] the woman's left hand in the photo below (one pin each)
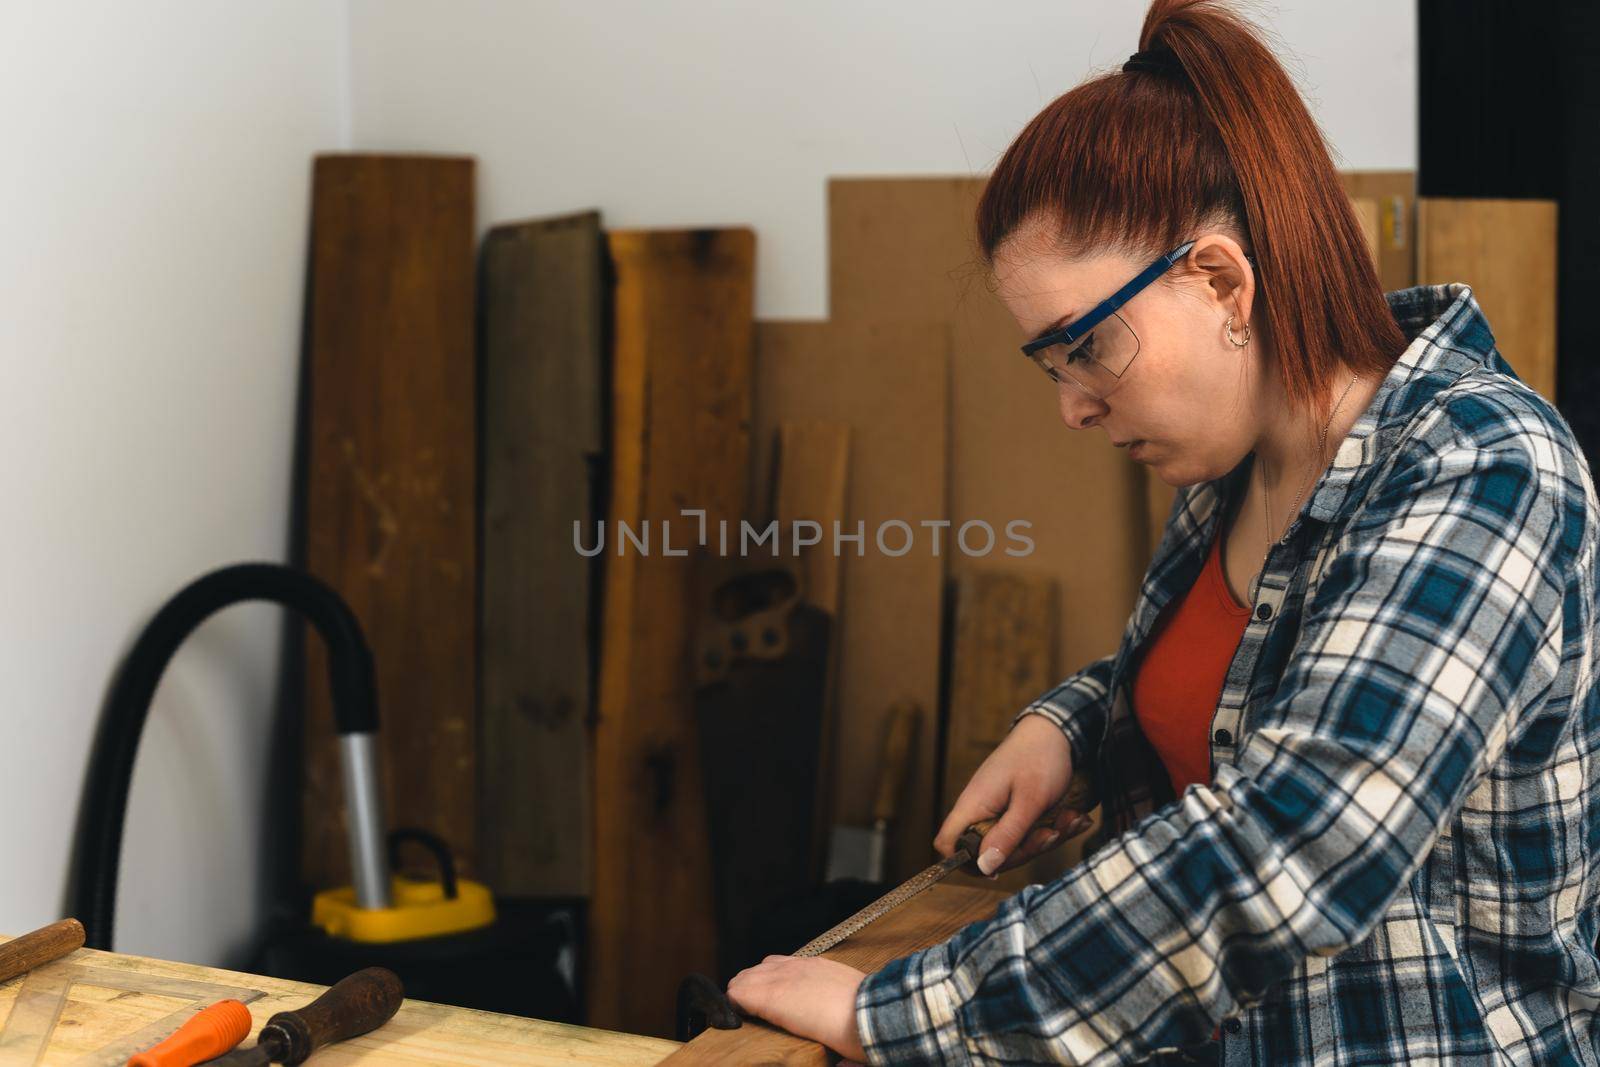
(806, 995)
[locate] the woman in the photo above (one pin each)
(1347, 750)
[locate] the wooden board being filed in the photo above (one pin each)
(1505, 250)
(542, 305)
(110, 998)
(888, 383)
(391, 499)
(925, 920)
(680, 440)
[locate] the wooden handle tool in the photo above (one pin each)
(357, 1005)
(39, 948)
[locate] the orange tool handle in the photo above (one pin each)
(208, 1035)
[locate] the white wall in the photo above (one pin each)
(726, 111)
(154, 180)
(154, 176)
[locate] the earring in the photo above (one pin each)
(1227, 328)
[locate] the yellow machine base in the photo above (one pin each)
(420, 910)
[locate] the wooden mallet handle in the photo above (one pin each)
(39, 948)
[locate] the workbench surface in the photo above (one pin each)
(98, 1008)
(94, 1008)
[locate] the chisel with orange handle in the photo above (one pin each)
(209, 1033)
(43, 946)
(356, 1005)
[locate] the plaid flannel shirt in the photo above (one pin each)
(1396, 858)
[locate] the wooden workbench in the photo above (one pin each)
(95, 1009)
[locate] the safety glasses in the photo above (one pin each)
(1094, 351)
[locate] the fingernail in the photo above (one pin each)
(1051, 838)
(990, 860)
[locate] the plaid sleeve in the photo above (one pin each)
(1435, 626)
(1078, 707)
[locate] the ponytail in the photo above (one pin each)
(1142, 158)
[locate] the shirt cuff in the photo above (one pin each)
(906, 1012)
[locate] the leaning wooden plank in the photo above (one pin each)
(813, 474)
(681, 439)
(1505, 250)
(889, 383)
(1369, 218)
(1001, 658)
(390, 505)
(1395, 194)
(542, 306)
(924, 920)
(86, 1007)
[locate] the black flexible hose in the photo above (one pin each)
(98, 848)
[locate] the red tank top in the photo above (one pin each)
(1179, 679)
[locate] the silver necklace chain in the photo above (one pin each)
(1266, 498)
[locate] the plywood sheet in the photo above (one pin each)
(1394, 194)
(902, 249)
(391, 499)
(887, 383)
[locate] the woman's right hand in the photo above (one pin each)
(1025, 774)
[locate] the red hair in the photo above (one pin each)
(1140, 161)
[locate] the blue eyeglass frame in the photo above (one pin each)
(1095, 315)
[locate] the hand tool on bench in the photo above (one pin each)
(42, 946)
(356, 1005)
(702, 1002)
(208, 1033)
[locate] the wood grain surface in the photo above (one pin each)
(542, 298)
(391, 495)
(111, 997)
(1505, 250)
(681, 371)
